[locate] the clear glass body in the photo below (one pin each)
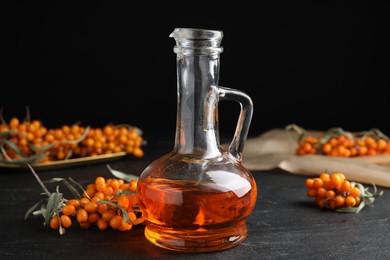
(197, 197)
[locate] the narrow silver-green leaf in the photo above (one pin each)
(75, 192)
(30, 210)
(14, 147)
(52, 205)
(82, 137)
(107, 202)
(352, 209)
(8, 132)
(126, 216)
(121, 175)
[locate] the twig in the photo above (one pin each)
(39, 180)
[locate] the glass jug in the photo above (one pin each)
(197, 197)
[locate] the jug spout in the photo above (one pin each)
(200, 39)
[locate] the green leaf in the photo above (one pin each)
(72, 189)
(75, 192)
(122, 175)
(82, 137)
(126, 216)
(8, 132)
(30, 210)
(107, 202)
(14, 147)
(352, 209)
(54, 202)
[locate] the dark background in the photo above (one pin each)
(319, 65)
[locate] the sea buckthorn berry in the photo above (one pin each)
(85, 225)
(350, 201)
(125, 226)
(66, 222)
(133, 185)
(99, 180)
(93, 217)
(108, 215)
(330, 194)
(90, 207)
(68, 210)
(309, 183)
(311, 192)
(75, 203)
(317, 183)
(54, 222)
(102, 208)
(324, 177)
(345, 186)
(116, 221)
(82, 216)
(321, 192)
(354, 192)
(102, 224)
(335, 180)
(340, 200)
(84, 201)
(123, 201)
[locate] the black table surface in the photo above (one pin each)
(285, 223)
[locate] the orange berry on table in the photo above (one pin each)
(321, 202)
(82, 216)
(381, 144)
(340, 200)
(326, 148)
(330, 194)
(345, 186)
(311, 192)
(309, 183)
(75, 203)
(116, 221)
(14, 123)
(321, 192)
(362, 150)
(133, 185)
(54, 222)
(102, 224)
(84, 201)
(102, 208)
(354, 192)
(85, 225)
(137, 152)
(371, 151)
(108, 215)
(66, 222)
(335, 181)
(332, 204)
(68, 210)
(123, 201)
(91, 207)
(350, 201)
(324, 177)
(318, 183)
(125, 226)
(93, 217)
(333, 142)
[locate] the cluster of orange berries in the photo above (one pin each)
(30, 139)
(344, 146)
(105, 203)
(333, 191)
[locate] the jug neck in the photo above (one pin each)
(197, 66)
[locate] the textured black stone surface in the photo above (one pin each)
(285, 223)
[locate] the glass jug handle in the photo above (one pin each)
(244, 120)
